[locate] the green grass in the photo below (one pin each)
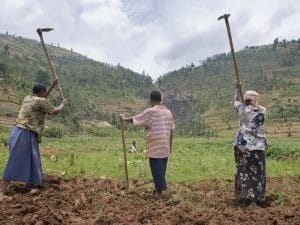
(192, 159)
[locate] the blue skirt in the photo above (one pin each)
(24, 162)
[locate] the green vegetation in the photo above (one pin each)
(192, 158)
(103, 132)
(197, 95)
(284, 150)
(3, 135)
(54, 131)
(272, 70)
(89, 86)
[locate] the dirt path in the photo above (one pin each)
(82, 201)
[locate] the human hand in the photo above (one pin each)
(56, 81)
(64, 101)
(122, 116)
(238, 85)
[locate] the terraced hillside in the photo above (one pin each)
(199, 96)
(272, 70)
(95, 91)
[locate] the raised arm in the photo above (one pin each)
(237, 96)
(60, 107)
(55, 82)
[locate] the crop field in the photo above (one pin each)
(192, 159)
(85, 184)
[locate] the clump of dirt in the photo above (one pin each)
(104, 201)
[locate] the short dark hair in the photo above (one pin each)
(38, 88)
(155, 96)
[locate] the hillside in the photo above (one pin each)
(204, 93)
(95, 91)
(199, 96)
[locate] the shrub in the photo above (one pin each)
(54, 131)
(283, 152)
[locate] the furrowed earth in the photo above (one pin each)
(103, 201)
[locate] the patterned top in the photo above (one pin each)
(251, 133)
(158, 123)
(32, 114)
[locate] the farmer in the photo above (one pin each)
(159, 125)
(24, 163)
(249, 145)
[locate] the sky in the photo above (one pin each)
(155, 36)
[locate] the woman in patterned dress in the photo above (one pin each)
(249, 148)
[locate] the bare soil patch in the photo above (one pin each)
(103, 201)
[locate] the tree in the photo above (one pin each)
(3, 69)
(6, 49)
(275, 44)
(43, 77)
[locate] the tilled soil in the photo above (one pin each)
(103, 201)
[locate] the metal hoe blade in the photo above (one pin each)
(46, 29)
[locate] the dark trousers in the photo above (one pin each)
(158, 170)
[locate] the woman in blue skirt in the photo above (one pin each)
(24, 163)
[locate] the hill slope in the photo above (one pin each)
(94, 90)
(272, 70)
(199, 96)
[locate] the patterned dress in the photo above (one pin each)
(32, 114)
(249, 145)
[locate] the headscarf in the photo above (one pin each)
(251, 95)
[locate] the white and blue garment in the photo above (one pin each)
(251, 134)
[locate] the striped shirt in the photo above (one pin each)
(158, 123)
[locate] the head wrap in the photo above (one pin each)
(251, 95)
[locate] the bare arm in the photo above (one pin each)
(237, 96)
(55, 82)
(126, 119)
(60, 107)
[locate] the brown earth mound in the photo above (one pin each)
(82, 201)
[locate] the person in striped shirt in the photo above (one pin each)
(159, 125)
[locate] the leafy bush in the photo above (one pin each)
(54, 131)
(283, 152)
